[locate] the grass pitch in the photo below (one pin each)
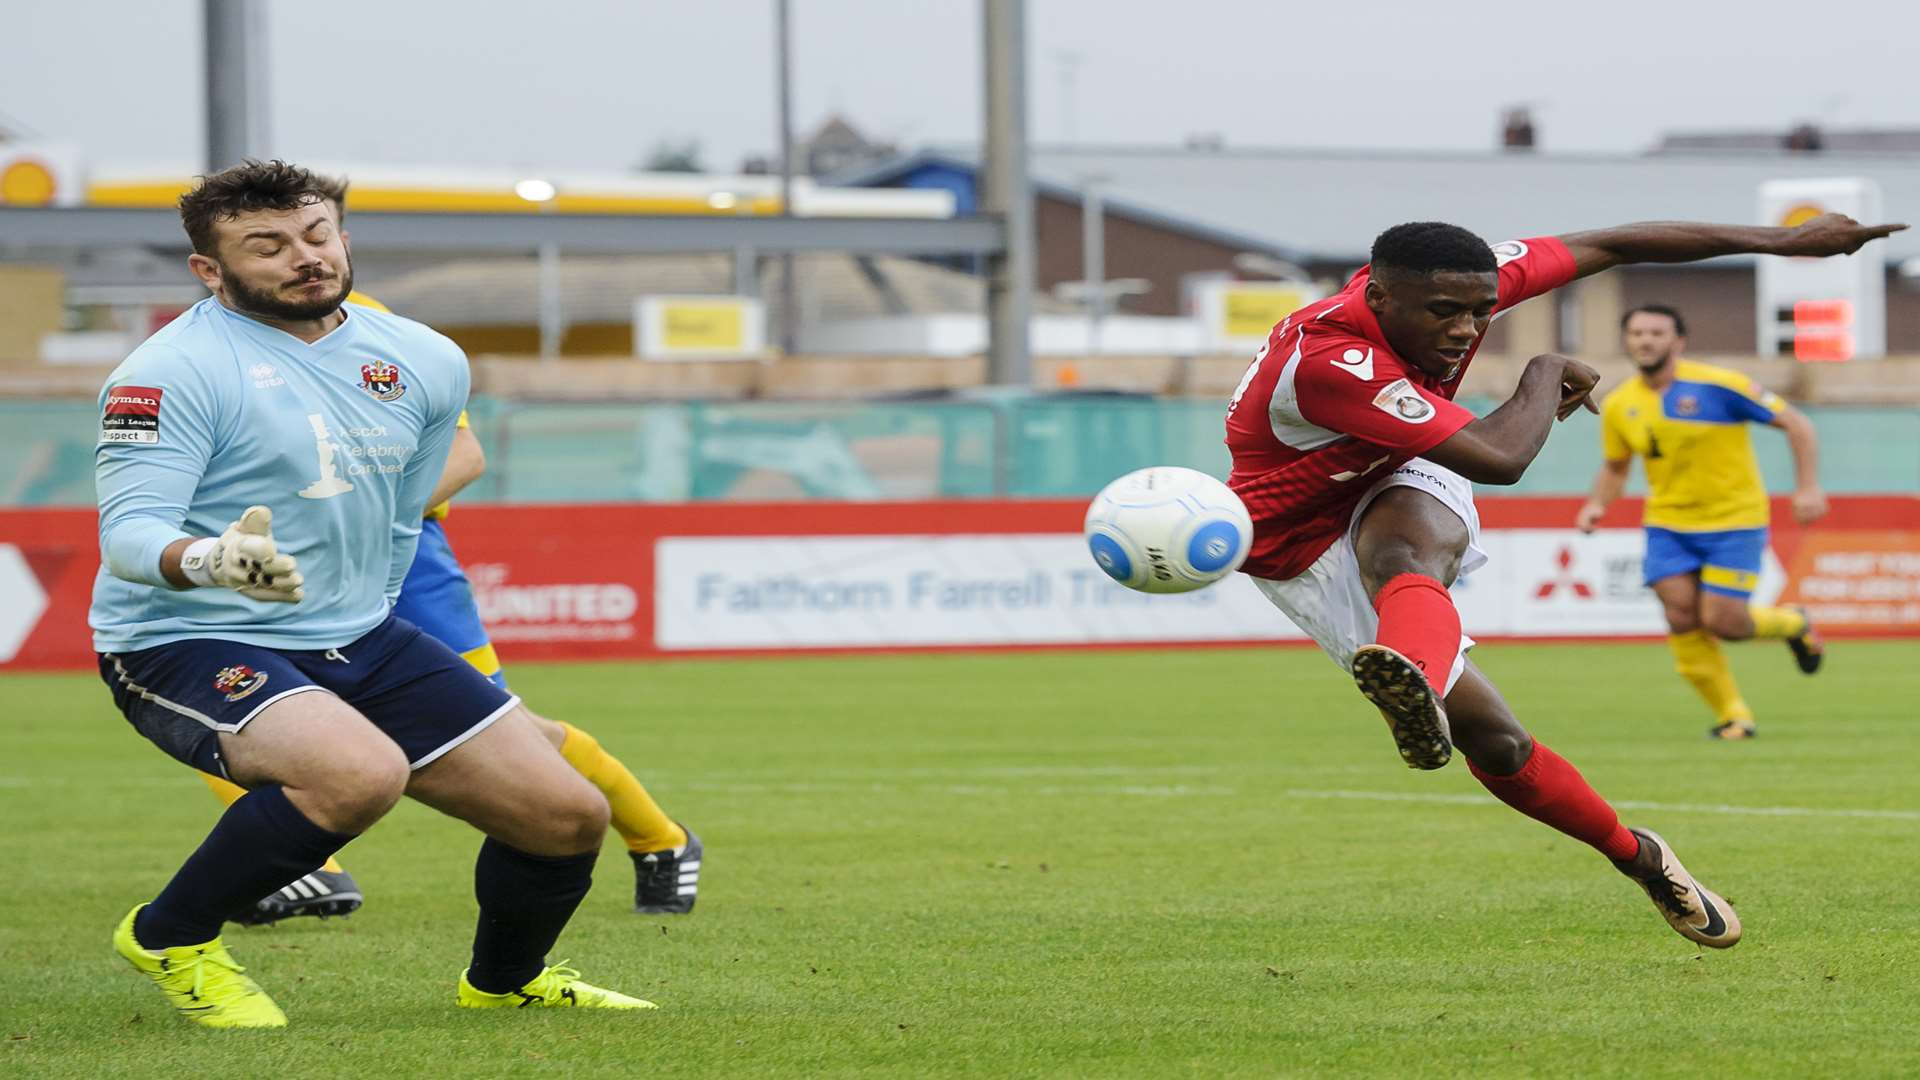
(1204, 862)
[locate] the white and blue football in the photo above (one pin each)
(1168, 530)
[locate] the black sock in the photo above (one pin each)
(525, 901)
(262, 842)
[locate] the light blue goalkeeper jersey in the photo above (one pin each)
(342, 439)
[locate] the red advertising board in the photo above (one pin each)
(560, 582)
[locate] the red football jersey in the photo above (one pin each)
(1326, 409)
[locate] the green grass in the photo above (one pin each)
(1105, 864)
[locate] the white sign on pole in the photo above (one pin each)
(1822, 309)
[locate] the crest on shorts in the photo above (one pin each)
(382, 380)
(238, 681)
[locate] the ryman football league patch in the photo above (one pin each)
(132, 415)
(1401, 401)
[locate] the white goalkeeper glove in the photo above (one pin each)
(245, 560)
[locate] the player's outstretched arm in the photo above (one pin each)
(1498, 447)
(1691, 241)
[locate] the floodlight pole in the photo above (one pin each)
(1006, 191)
(236, 69)
(789, 304)
(1093, 257)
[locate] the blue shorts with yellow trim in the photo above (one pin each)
(438, 598)
(1728, 561)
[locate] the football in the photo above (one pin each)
(1167, 529)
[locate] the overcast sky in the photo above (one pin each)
(592, 84)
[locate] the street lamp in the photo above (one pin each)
(541, 193)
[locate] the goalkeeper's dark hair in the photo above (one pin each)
(243, 189)
(335, 189)
(1679, 324)
(1418, 248)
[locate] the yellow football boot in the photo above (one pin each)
(202, 982)
(557, 987)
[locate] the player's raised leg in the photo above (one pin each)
(1728, 615)
(1531, 778)
(666, 855)
(1409, 546)
(318, 775)
(544, 825)
(326, 892)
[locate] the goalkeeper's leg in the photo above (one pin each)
(327, 891)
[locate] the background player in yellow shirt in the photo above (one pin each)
(1706, 515)
(437, 598)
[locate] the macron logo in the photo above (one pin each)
(1359, 364)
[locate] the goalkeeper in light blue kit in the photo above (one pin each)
(263, 466)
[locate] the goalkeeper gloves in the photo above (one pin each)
(245, 560)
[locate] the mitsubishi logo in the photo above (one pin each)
(1564, 578)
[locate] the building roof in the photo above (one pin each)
(1068, 186)
(505, 291)
(1836, 141)
(1329, 204)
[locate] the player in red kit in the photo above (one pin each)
(1357, 467)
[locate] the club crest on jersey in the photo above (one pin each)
(238, 681)
(1687, 405)
(382, 380)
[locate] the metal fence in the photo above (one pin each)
(1017, 446)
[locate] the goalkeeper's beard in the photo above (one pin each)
(269, 304)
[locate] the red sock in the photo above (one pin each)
(1550, 790)
(1418, 621)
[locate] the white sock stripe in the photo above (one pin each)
(693, 865)
(687, 890)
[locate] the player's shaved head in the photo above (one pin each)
(1418, 248)
(1433, 287)
(246, 188)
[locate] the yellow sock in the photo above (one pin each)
(1777, 623)
(636, 817)
(1697, 657)
(229, 793)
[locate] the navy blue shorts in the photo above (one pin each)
(417, 691)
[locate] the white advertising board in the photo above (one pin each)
(784, 592)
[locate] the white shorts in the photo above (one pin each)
(1329, 601)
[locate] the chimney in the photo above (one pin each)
(1804, 138)
(1516, 128)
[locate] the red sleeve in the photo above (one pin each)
(1531, 267)
(1345, 385)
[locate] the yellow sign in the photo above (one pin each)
(1799, 214)
(691, 326)
(25, 181)
(1252, 311)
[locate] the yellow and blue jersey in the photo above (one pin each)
(436, 595)
(1701, 472)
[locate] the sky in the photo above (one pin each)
(594, 84)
